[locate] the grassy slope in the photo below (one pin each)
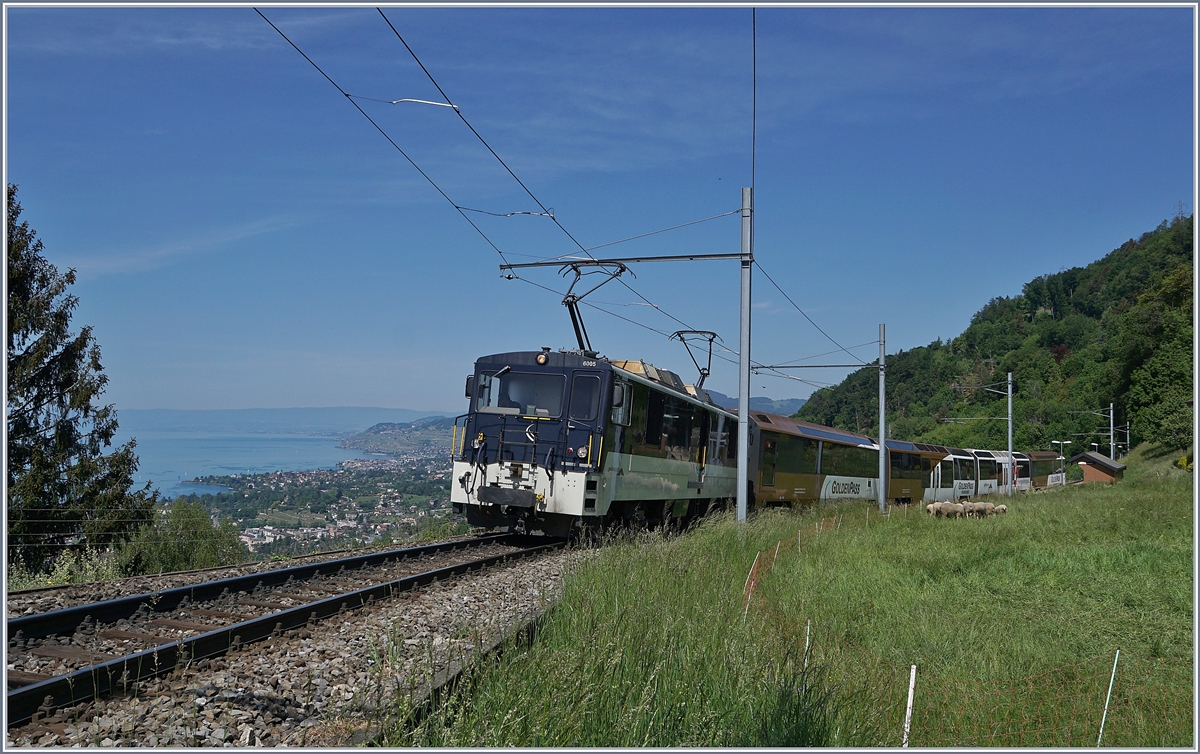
(648, 644)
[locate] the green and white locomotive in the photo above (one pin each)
(562, 441)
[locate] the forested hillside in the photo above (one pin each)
(1118, 330)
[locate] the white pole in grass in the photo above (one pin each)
(807, 634)
(1108, 698)
(912, 682)
(748, 575)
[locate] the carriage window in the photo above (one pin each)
(520, 393)
(908, 466)
(987, 469)
(847, 460)
(966, 468)
(585, 397)
(1045, 468)
(797, 455)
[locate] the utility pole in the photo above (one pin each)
(1012, 467)
(883, 454)
(1112, 432)
(743, 446)
(1112, 443)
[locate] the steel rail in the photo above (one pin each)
(67, 620)
(167, 574)
(40, 700)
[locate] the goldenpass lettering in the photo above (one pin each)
(845, 488)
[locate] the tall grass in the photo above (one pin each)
(1011, 620)
(647, 647)
(70, 567)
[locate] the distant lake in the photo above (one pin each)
(168, 458)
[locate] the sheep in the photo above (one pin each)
(1001, 510)
(984, 509)
(931, 509)
(951, 509)
(969, 508)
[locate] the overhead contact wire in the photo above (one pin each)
(510, 171)
(652, 233)
(477, 134)
(350, 99)
(819, 355)
(810, 319)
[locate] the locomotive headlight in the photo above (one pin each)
(541, 358)
(581, 452)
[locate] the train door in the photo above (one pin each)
(964, 477)
(988, 482)
(941, 482)
(583, 433)
(1023, 477)
(769, 446)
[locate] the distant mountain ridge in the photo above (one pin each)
(336, 420)
(423, 438)
(784, 407)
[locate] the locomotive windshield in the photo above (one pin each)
(523, 393)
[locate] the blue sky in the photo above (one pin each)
(245, 238)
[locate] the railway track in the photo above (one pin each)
(56, 597)
(62, 659)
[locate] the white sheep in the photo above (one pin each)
(1001, 510)
(969, 508)
(951, 509)
(931, 509)
(984, 509)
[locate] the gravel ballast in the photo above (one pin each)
(321, 687)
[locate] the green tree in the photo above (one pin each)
(64, 491)
(182, 538)
(1117, 331)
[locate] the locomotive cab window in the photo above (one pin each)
(622, 403)
(520, 393)
(585, 397)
